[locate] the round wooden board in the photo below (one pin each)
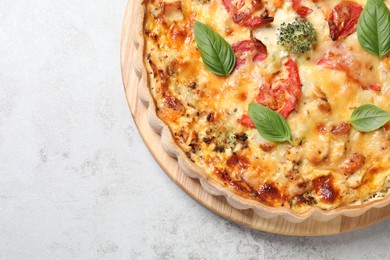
(193, 188)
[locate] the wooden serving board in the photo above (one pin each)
(192, 187)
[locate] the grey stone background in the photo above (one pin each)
(76, 181)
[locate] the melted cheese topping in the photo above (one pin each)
(332, 164)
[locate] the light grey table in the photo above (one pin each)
(76, 181)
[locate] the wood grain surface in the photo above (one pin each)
(217, 204)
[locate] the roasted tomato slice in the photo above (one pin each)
(230, 7)
(246, 120)
(282, 95)
(254, 49)
(356, 66)
(244, 13)
(343, 19)
(300, 9)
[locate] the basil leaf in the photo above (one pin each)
(217, 54)
(368, 118)
(373, 28)
(270, 124)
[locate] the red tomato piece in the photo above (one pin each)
(376, 87)
(245, 16)
(300, 9)
(284, 94)
(230, 7)
(261, 49)
(353, 65)
(252, 47)
(343, 19)
(253, 22)
(246, 120)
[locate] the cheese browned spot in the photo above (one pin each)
(352, 164)
(323, 186)
(342, 128)
(331, 164)
(237, 160)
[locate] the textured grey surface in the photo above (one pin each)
(76, 181)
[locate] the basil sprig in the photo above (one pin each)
(373, 28)
(217, 54)
(368, 118)
(270, 124)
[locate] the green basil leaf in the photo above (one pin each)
(373, 28)
(217, 54)
(368, 118)
(270, 124)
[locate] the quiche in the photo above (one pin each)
(305, 61)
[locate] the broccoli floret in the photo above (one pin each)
(297, 37)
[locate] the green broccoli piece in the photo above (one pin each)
(297, 37)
